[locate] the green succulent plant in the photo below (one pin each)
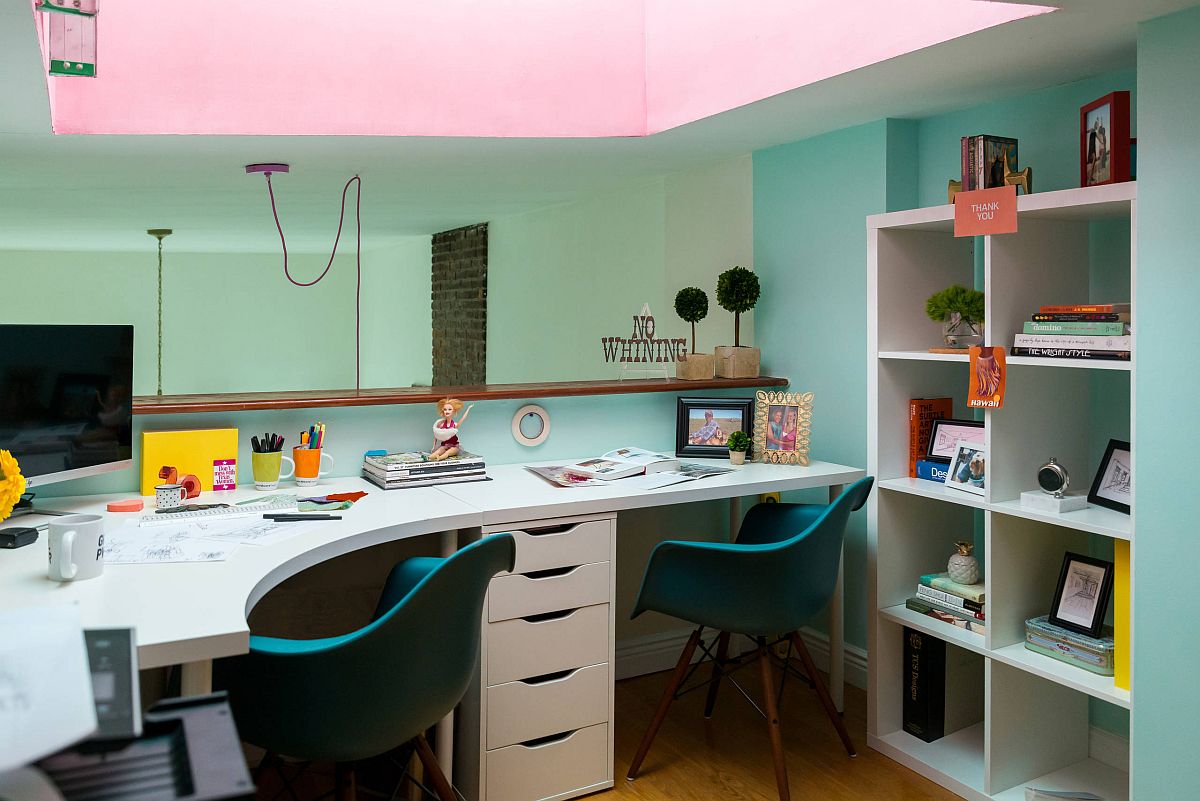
(737, 292)
(691, 304)
(739, 441)
(968, 303)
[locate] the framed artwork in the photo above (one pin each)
(968, 467)
(1113, 485)
(782, 426)
(1081, 598)
(703, 425)
(1104, 148)
(946, 434)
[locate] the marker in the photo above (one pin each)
(296, 518)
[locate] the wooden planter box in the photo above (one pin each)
(737, 362)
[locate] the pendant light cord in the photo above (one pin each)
(160, 338)
(357, 262)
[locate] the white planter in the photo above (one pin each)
(737, 457)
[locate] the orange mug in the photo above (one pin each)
(308, 465)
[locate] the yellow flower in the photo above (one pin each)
(12, 483)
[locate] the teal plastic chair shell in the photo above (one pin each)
(779, 573)
(361, 694)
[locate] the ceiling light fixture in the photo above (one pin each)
(268, 169)
(159, 234)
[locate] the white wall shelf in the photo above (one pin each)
(1036, 721)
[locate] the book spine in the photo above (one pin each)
(1073, 353)
(923, 711)
(1083, 317)
(1072, 341)
(964, 170)
(1081, 328)
(941, 581)
(1085, 308)
(948, 599)
(921, 414)
(932, 471)
(979, 166)
(943, 615)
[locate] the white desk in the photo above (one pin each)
(191, 613)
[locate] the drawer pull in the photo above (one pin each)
(547, 678)
(542, 531)
(546, 617)
(553, 572)
(551, 739)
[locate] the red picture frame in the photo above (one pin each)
(1104, 140)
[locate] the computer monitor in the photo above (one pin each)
(66, 399)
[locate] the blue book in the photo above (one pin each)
(932, 471)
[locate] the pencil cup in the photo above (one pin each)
(267, 468)
(308, 465)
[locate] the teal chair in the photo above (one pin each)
(347, 698)
(779, 573)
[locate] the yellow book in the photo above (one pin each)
(209, 454)
(1122, 617)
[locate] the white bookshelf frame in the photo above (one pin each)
(1035, 728)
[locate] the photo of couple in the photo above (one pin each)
(782, 426)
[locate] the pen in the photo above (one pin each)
(295, 518)
(254, 444)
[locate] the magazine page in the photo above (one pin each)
(638, 456)
(562, 476)
(687, 472)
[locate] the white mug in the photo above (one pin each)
(76, 545)
(169, 496)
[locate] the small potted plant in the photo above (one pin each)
(960, 311)
(737, 292)
(739, 443)
(691, 304)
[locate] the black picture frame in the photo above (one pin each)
(1121, 472)
(933, 438)
(1094, 626)
(683, 447)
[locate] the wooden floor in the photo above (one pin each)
(729, 757)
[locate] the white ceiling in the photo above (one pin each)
(102, 192)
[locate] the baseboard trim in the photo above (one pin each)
(1108, 748)
(653, 653)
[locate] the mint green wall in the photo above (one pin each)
(1045, 123)
(561, 278)
(232, 322)
(810, 251)
(1168, 286)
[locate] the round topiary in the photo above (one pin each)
(967, 303)
(737, 292)
(691, 304)
(739, 441)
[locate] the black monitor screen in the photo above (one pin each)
(66, 398)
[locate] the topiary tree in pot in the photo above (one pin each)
(737, 292)
(691, 304)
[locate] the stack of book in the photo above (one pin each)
(1084, 331)
(983, 160)
(959, 605)
(418, 469)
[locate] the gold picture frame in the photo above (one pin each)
(782, 426)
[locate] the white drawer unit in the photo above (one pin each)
(532, 708)
(561, 767)
(536, 724)
(526, 594)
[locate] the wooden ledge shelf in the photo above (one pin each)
(316, 399)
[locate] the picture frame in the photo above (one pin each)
(1082, 594)
(968, 468)
(1112, 487)
(945, 435)
(782, 427)
(1104, 144)
(692, 416)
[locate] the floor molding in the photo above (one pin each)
(652, 653)
(1108, 748)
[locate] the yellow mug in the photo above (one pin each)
(267, 469)
(308, 465)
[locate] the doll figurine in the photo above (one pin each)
(445, 430)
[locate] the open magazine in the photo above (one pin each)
(569, 476)
(624, 462)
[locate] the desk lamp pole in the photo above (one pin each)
(159, 234)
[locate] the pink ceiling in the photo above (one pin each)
(501, 68)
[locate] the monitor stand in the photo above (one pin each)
(25, 506)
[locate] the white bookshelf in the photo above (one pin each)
(1035, 729)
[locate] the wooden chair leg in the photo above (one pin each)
(771, 708)
(823, 693)
(345, 786)
(681, 667)
(718, 663)
(433, 771)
